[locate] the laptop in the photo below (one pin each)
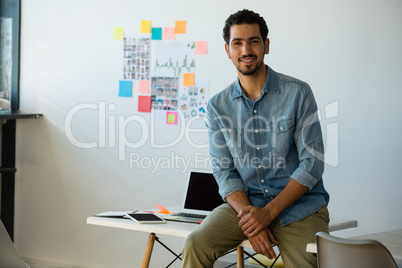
(200, 198)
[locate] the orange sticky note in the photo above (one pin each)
(188, 79)
(163, 210)
(180, 27)
(145, 26)
(168, 33)
(201, 48)
(143, 86)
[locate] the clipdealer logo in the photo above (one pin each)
(112, 134)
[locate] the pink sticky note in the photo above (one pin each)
(201, 48)
(171, 118)
(168, 33)
(143, 86)
(144, 104)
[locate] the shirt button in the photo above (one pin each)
(262, 180)
(256, 131)
(258, 148)
(266, 191)
(259, 166)
(281, 128)
(255, 111)
(230, 130)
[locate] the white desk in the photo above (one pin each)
(181, 229)
(392, 240)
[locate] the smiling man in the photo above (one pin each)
(267, 157)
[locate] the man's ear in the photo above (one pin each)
(227, 51)
(267, 46)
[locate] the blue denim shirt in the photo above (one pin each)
(258, 146)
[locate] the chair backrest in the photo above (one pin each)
(335, 252)
(9, 256)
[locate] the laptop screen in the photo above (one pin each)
(202, 192)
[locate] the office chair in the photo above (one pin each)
(335, 252)
(9, 256)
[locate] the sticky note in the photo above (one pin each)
(145, 26)
(156, 33)
(144, 104)
(188, 79)
(201, 48)
(168, 33)
(143, 86)
(118, 33)
(171, 118)
(125, 88)
(180, 27)
(163, 210)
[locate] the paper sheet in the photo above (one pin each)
(171, 58)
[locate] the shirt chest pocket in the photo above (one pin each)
(235, 141)
(281, 138)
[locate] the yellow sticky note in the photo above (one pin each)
(180, 27)
(118, 33)
(145, 26)
(188, 79)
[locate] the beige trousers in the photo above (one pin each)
(220, 232)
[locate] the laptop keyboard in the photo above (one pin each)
(183, 214)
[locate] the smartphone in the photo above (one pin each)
(145, 218)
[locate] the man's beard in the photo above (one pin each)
(249, 71)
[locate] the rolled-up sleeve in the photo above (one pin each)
(222, 161)
(308, 140)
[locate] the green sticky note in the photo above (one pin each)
(171, 118)
(156, 33)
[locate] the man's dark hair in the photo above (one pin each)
(242, 17)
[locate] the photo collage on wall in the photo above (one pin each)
(136, 58)
(164, 93)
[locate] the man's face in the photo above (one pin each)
(246, 48)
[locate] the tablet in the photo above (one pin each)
(145, 218)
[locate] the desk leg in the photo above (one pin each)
(148, 251)
(240, 257)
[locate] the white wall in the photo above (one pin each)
(348, 51)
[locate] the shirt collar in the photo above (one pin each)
(271, 85)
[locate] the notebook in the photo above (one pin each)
(200, 198)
